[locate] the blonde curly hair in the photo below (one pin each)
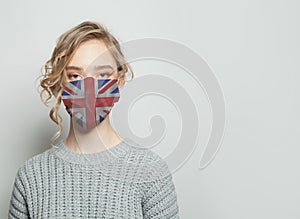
(54, 74)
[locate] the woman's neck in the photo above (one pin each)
(95, 140)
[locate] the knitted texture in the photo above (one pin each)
(123, 181)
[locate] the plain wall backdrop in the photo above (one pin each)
(251, 45)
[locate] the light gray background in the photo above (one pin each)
(251, 45)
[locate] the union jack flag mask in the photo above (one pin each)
(89, 101)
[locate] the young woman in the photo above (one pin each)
(93, 172)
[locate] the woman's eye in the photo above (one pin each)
(104, 75)
(73, 76)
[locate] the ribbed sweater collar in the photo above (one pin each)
(106, 155)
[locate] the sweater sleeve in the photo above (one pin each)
(18, 207)
(160, 197)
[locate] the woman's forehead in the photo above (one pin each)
(92, 53)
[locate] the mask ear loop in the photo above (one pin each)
(119, 76)
(121, 73)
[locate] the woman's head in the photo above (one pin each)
(75, 57)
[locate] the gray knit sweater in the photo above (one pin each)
(124, 181)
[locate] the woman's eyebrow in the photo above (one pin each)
(98, 67)
(71, 67)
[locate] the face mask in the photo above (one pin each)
(89, 101)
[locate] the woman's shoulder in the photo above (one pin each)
(149, 162)
(143, 154)
(36, 162)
